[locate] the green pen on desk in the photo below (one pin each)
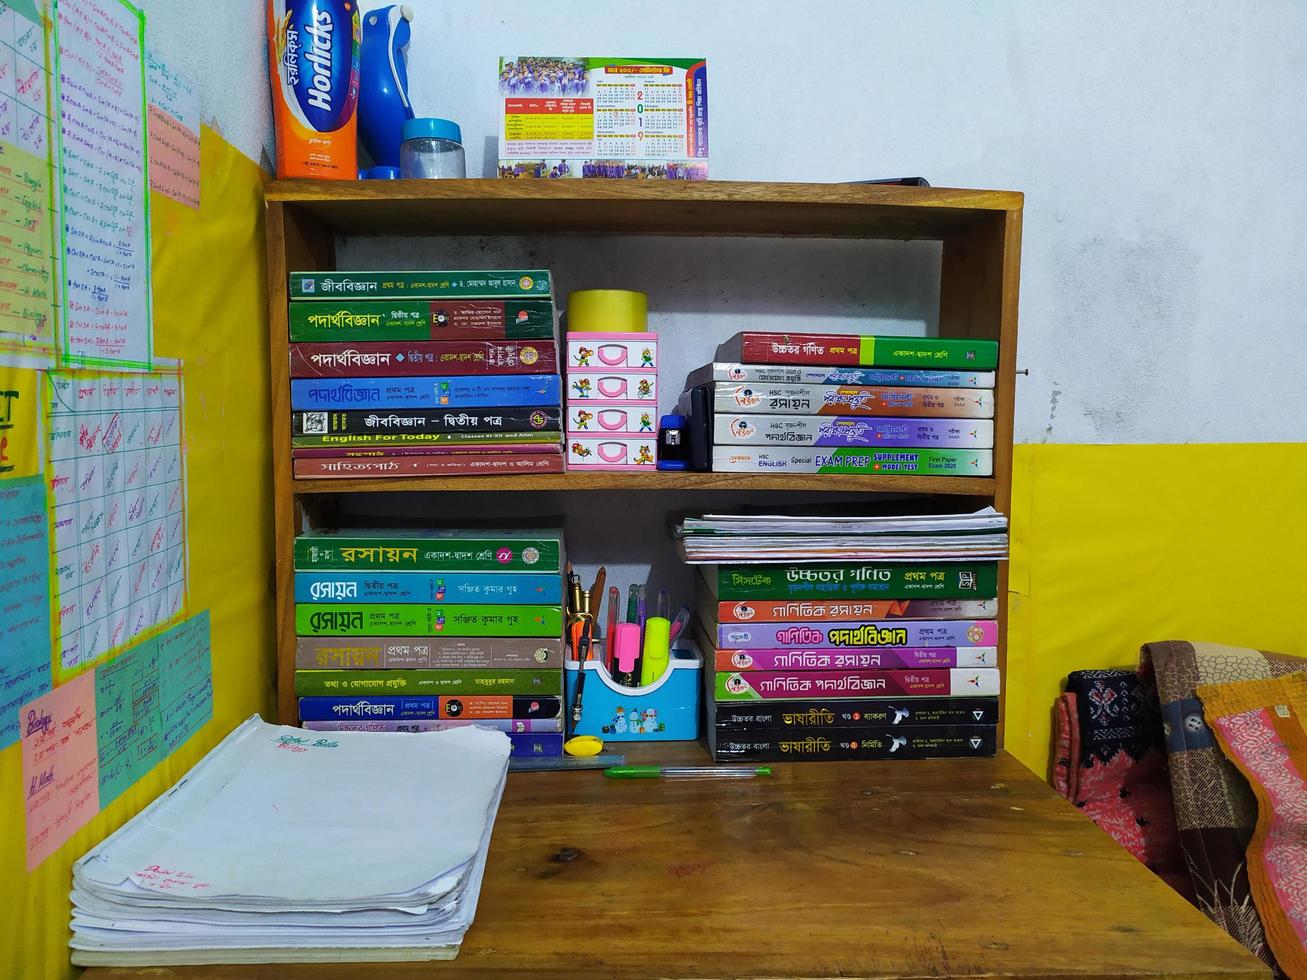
(686, 772)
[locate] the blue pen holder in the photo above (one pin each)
(665, 711)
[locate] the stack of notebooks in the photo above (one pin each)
(420, 630)
(831, 403)
(281, 846)
(424, 374)
(849, 638)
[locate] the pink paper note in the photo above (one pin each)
(174, 131)
(61, 767)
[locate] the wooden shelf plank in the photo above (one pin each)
(714, 207)
(955, 485)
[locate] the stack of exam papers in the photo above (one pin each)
(764, 538)
(283, 845)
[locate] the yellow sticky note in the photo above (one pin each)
(20, 431)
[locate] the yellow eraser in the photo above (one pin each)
(583, 745)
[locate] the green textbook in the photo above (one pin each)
(512, 680)
(423, 619)
(871, 580)
(429, 550)
(461, 284)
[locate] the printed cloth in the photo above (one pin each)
(1066, 746)
(1259, 725)
(1111, 726)
(1215, 810)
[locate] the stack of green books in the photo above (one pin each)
(427, 629)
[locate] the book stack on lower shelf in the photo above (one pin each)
(867, 646)
(421, 630)
(830, 403)
(424, 374)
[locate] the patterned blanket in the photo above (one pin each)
(1215, 810)
(1259, 725)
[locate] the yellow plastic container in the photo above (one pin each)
(607, 310)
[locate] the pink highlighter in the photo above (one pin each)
(627, 644)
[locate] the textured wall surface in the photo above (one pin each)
(1160, 146)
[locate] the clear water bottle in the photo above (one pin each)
(431, 148)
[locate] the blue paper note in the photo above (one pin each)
(24, 599)
(149, 700)
(185, 680)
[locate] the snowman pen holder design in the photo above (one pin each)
(665, 711)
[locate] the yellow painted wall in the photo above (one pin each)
(1115, 546)
(210, 309)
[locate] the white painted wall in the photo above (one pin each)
(1162, 148)
(222, 45)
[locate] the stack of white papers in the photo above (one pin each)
(764, 538)
(284, 845)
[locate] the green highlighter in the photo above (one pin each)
(687, 772)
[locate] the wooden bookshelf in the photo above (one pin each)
(980, 232)
(710, 208)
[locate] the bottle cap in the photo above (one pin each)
(428, 127)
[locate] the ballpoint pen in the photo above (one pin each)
(664, 606)
(679, 624)
(687, 772)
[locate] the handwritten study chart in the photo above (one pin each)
(91, 738)
(27, 228)
(102, 180)
(117, 483)
(174, 133)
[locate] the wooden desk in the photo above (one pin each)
(907, 869)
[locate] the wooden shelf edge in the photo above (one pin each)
(757, 192)
(811, 482)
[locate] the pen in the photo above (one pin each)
(687, 772)
(664, 607)
(596, 595)
(681, 621)
(631, 603)
(573, 595)
(614, 597)
(582, 655)
(640, 618)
